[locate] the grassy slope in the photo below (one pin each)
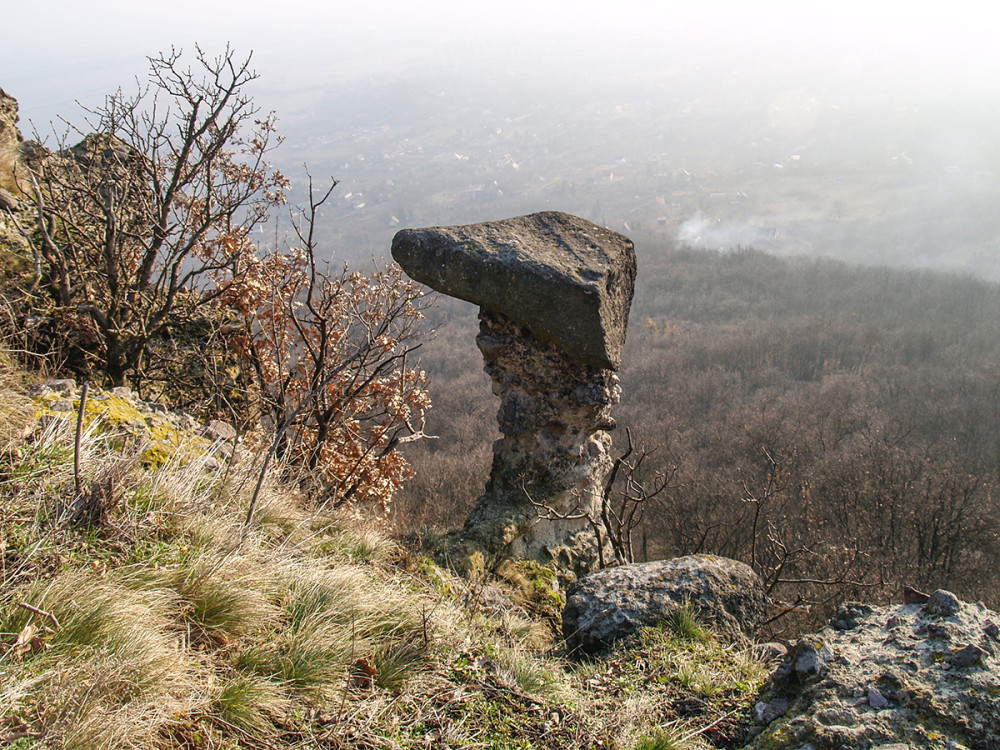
(170, 625)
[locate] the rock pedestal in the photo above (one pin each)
(554, 293)
(554, 415)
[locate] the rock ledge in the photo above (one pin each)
(566, 279)
(922, 675)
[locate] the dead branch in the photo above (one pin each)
(38, 611)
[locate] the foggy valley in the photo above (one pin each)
(714, 158)
(859, 135)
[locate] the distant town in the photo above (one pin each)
(794, 171)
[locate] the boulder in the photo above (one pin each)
(615, 602)
(218, 430)
(562, 277)
(921, 675)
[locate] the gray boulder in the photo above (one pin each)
(924, 674)
(562, 277)
(615, 602)
(219, 430)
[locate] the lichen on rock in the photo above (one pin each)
(162, 434)
(921, 675)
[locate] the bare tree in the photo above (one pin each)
(144, 240)
(147, 219)
(329, 351)
(628, 491)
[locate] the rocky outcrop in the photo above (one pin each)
(10, 149)
(554, 294)
(615, 602)
(9, 132)
(920, 675)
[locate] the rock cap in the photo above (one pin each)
(560, 276)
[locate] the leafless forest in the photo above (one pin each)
(835, 426)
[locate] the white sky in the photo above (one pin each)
(61, 50)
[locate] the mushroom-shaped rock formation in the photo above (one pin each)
(554, 293)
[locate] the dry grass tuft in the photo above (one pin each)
(108, 675)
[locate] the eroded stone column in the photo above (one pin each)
(554, 293)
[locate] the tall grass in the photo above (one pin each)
(109, 674)
(171, 612)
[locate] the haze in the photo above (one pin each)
(858, 131)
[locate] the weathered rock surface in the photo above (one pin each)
(554, 294)
(615, 602)
(10, 149)
(560, 276)
(9, 132)
(554, 416)
(920, 675)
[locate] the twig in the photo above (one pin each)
(696, 732)
(79, 438)
(799, 605)
(42, 612)
(834, 582)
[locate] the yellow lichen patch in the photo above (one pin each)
(169, 442)
(114, 410)
(108, 413)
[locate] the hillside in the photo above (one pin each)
(139, 610)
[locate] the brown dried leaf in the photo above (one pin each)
(362, 673)
(28, 641)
